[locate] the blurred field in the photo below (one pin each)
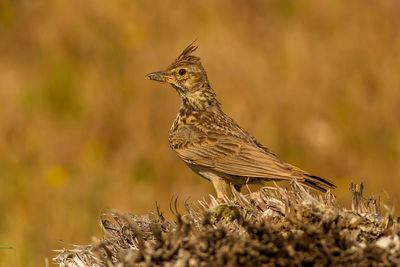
(82, 131)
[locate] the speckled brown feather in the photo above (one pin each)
(211, 143)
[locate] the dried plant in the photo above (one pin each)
(272, 226)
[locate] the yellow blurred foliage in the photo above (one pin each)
(93, 153)
(56, 176)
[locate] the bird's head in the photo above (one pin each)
(188, 77)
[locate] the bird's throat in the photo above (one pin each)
(202, 100)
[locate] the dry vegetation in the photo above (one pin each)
(270, 227)
(82, 131)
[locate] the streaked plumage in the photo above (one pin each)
(211, 143)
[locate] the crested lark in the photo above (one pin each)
(211, 143)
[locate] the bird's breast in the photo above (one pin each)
(181, 133)
(187, 129)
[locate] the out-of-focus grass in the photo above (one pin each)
(82, 130)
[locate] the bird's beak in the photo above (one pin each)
(159, 76)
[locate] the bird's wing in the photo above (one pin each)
(234, 156)
(231, 155)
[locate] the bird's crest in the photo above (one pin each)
(186, 56)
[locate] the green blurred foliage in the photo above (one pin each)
(82, 131)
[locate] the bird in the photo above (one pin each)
(212, 144)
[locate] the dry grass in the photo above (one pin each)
(272, 226)
(83, 131)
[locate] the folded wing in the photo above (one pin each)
(231, 155)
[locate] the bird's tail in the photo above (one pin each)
(317, 183)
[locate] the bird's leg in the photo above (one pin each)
(220, 186)
(233, 188)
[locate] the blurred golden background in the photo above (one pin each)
(82, 131)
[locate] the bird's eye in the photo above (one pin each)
(182, 72)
